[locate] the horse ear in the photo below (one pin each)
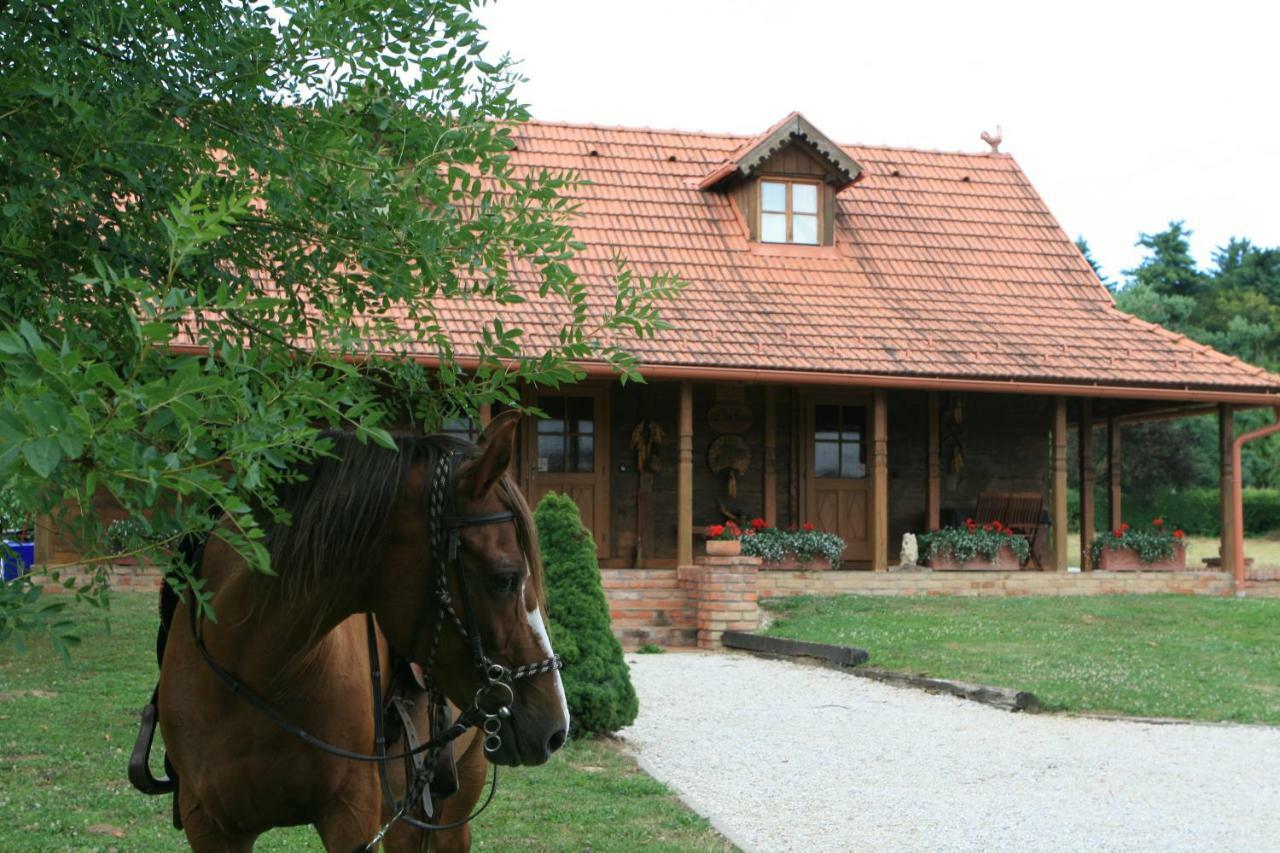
(498, 448)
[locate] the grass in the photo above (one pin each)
(1161, 655)
(1263, 550)
(66, 730)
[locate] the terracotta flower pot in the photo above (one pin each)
(1127, 560)
(1005, 561)
(723, 547)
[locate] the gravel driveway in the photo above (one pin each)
(787, 757)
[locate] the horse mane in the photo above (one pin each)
(340, 506)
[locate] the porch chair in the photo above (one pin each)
(1021, 512)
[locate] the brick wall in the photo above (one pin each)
(774, 584)
(650, 606)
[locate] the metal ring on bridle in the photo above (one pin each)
(492, 743)
(493, 697)
(492, 725)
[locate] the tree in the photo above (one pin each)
(1083, 245)
(596, 680)
(1169, 270)
(212, 214)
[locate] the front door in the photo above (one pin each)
(568, 452)
(837, 483)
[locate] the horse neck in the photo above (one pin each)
(269, 630)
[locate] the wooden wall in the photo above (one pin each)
(792, 161)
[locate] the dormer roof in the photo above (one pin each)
(843, 170)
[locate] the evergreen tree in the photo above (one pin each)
(1169, 269)
(1083, 245)
(596, 679)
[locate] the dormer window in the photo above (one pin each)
(789, 212)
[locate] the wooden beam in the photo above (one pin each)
(1059, 528)
(1087, 508)
(684, 478)
(771, 455)
(880, 482)
(1115, 510)
(1227, 511)
(933, 483)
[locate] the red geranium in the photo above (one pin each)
(807, 526)
(1177, 534)
(997, 526)
(1118, 532)
(758, 524)
(1007, 532)
(1157, 522)
(715, 530)
(1124, 528)
(987, 527)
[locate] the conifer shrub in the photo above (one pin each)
(596, 680)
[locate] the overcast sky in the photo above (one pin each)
(1124, 115)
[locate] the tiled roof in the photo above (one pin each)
(946, 265)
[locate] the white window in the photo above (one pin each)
(788, 212)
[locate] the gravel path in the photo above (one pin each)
(787, 757)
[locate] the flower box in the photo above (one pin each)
(724, 547)
(1006, 561)
(817, 564)
(1127, 560)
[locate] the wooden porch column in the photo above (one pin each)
(1087, 508)
(684, 478)
(933, 485)
(880, 482)
(1115, 512)
(771, 454)
(1226, 435)
(1059, 484)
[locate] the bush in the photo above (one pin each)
(1196, 511)
(774, 545)
(596, 680)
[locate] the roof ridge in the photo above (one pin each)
(745, 137)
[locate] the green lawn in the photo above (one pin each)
(1160, 655)
(66, 731)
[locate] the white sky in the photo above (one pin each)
(1124, 115)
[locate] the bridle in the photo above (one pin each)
(493, 699)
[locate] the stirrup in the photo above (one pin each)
(139, 761)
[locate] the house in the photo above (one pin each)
(871, 338)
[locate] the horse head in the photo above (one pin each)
(462, 596)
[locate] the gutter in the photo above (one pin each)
(1237, 499)
(877, 380)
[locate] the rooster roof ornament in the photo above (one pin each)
(994, 141)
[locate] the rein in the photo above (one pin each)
(492, 702)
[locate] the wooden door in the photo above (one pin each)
(568, 452)
(837, 472)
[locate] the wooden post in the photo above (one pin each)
(684, 478)
(880, 482)
(1060, 484)
(1115, 512)
(1226, 435)
(1087, 508)
(771, 455)
(933, 485)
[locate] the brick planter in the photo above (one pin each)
(819, 565)
(723, 592)
(1005, 561)
(1126, 560)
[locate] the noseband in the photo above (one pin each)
(493, 699)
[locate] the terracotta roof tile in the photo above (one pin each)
(932, 275)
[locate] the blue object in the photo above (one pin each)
(14, 567)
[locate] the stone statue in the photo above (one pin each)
(910, 551)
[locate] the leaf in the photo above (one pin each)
(43, 455)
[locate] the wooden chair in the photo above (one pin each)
(1021, 512)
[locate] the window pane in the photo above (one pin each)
(826, 419)
(551, 453)
(851, 465)
(773, 227)
(826, 458)
(773, 196)
(804, 229)
(554, 422)
(463, 427)
(804, 198)
(853, 421)
(584, 454)
(583, 414)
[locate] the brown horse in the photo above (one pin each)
(368, 529)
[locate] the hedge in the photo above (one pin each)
(1196, 511)
(596, 679)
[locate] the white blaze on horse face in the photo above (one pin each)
(540, 631)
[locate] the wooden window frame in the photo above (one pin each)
(789, 213)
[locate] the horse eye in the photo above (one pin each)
(506, 583)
